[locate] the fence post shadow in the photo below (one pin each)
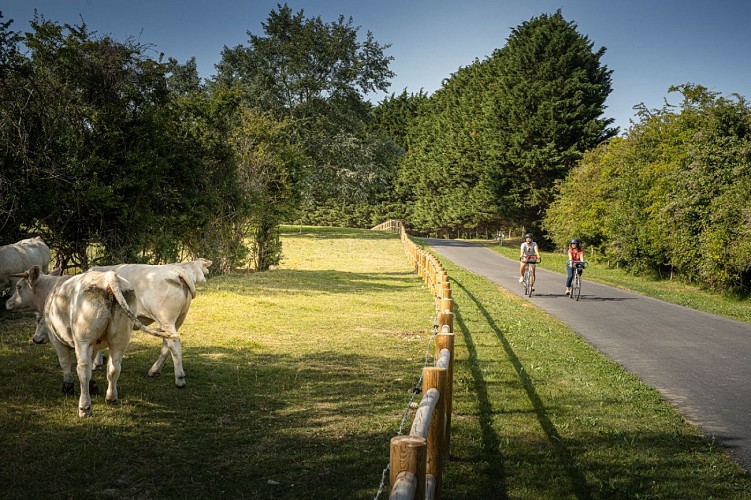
(577, 479)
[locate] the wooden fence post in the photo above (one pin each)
(435, 378)
(446, 341)
(408, 454)
(447, 304)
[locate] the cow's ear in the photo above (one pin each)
(34, 273)
(58, 271)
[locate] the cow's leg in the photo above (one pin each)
(83, 355)
(99, 359)
(176, 349)
(63, 357)
(93, 386)
(173, 347)
(156, 368)
(114, 365)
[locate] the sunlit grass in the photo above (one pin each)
(296, 381)
(539, 413)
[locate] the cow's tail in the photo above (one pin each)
(113, 286)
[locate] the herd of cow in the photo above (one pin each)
(98, 309)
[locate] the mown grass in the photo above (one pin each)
(670, 290)
(297, 379)
(539, 413)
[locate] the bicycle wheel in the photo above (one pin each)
(577, 290)
(526, 281)
(573, 287)
(530, 282)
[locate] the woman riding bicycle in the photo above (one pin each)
(529, 250)
(575, 254)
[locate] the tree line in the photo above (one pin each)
(112, 155)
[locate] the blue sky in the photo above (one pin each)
(651, 44)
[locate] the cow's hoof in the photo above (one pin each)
(93, 388)
(85, 412)
(180, 384)
(154, 374)
(114, 402)
(68, 388)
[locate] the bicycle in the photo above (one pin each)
(529, 274)
(576, 284)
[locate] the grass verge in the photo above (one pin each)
(670, 290)
(539, 413)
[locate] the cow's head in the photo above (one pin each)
(203, 267)
(41, 334)
(23, 295)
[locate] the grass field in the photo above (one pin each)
(298, 378)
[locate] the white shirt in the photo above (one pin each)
(529, 249)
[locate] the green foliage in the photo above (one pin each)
(545, 111)
(671, 195)
(582, 203)
(394, 116)
(269, 169)
(316, 74)
(90, 157)
(489, 146)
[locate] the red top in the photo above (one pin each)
(576, 254)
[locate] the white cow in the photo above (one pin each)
(89, 311)
(21, 256)
(163, 295)
(198, 268)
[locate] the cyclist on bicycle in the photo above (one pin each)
(529, 252)
(575, 254)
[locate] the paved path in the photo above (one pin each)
(698, 361)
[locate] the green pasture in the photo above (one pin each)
(298, 378)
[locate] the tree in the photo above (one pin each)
(545, 111)
(93, 154)
(670, 196)
(14, 139)
(316, 74)
(269, 166)
(491, 144)
(445, 171)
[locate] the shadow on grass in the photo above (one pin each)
(254, 424)
(248, 425)
(576, 477)
(336, 233)
(318, 281)
(496, 476)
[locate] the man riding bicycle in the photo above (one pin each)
(529, 253)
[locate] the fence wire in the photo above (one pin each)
(417, 389)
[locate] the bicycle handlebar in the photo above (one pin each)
(582, 264)
(535, 259)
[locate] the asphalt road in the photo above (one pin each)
(698, 361)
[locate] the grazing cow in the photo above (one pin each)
(85, 312)
(163, 295)
(21, 256)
